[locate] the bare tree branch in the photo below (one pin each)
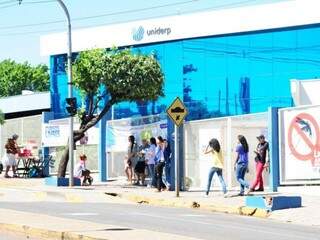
(97, 118)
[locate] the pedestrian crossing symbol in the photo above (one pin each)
(177, 111)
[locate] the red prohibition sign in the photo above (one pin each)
(314, 147)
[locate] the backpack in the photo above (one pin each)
(34, 172)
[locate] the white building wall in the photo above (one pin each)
(236, 20)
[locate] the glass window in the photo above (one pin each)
(224, 75)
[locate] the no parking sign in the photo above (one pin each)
(300, 143)
(304, 129)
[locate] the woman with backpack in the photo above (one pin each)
(217, 164)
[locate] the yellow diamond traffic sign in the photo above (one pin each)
(177, 111)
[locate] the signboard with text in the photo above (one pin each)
(54, 135)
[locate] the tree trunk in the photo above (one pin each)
(65, 156)
(77, 135)
(63, 163)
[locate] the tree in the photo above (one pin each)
(106, 78)
(15, 77)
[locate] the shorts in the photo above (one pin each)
(9, 160)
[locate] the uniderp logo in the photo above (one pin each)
(138, 33)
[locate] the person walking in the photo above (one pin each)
(241, 163)
(159, 163)
(262, 151)
(9, 160)
(217, 164)
(130, 159)
(150, 156)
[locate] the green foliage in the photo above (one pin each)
(2, 121)
(126, 76)
(15, 77)
(133, 77)
(88, 71)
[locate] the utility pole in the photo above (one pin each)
(70, 95)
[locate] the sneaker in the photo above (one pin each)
(90, 180)
(259, 190)
(206, 195)
(249, 191)
(225, 195)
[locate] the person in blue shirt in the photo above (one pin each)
(241, 163)
(159, 163)
(166, 178)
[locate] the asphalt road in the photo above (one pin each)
(185, 222)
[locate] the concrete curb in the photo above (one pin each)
(43, 233)
(238, 210)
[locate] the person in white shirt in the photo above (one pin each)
(81, 170)
(150, 155)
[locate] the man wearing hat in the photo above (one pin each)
(262, 152)
(9, 159)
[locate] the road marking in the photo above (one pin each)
(81, 214)
(73, 198)
(40, 196)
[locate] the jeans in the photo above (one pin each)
(166, 175)
(240, 172)
(159, 170)
(259, 179)
(151, 175)
(212, 171)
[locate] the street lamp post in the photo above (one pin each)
(70, 95)
(69, 54)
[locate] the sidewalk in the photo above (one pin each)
(118, 191)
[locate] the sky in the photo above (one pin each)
(21, 25)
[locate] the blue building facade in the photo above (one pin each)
(219, 75)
